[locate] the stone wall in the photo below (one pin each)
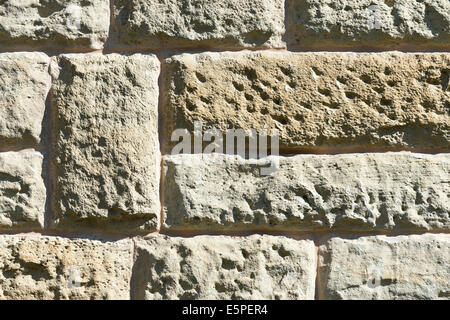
(94, 205)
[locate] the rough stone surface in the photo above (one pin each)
(372, 23)
(107, 152)
(200, 23)
(401, 191)
(24, 85)
(47, 268)
(22, 190)
(362, 101)
(54, 23)
(381, 267)
(205, 267)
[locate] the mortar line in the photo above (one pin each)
(241, 233)
(48, 214)
(195, 50)
(133, 250)
(317, 279)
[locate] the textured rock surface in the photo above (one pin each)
(311, 192)
(205, 267)
(372, 23)
(57, 268)
(55, 23)
(24, 85)
(22, 190)
(380, 267)
(200, 23)
(316, 100)
(107, 151)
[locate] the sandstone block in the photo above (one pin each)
(53, 268)
(54, 23)
(380, 191)
(200, 23)
(368, 23)
(24, 86)
(206, 267)
(385, 268)
(22, 190)
(319, 102)
(107, 151)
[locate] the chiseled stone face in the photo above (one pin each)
(318, 101)
(200, 23)
(371, 23)
(378, 191)
(24, 85)
(107, 151)
(53, 268)
(22, 190)
(208, 267)
(54, 23)
(385, 268)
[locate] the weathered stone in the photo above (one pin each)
(24, 85)
(54, 23)
(200, 23)
(207, 267)
(47, 268)
(381, 267)
(22, 190)
(321, 102)
(107, 151)
(379, 191)
(371, 23)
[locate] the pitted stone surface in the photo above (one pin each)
(24, 85)
(372, 23)
(53, 268)
(317, 101)
(22, 190)
(379, 191)
(206, 267)
(385, 268)
(200, 23)
(54, 23)
(107, 152)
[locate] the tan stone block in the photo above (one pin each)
(22, 190)
(170, 24)
(319, 102)
(380, 24)
(106, 155)
(385, 268)
(24, 86)
(370, 191)
(54, 268)
(81, 24)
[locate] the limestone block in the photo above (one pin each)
(53, 268)
(22, 190)
(369, 191)
(319, 102)
(54, 23)
(24, 85)
(107, 151)
(206, 267)
(222, 24)
(383, 24)
(385, 268)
